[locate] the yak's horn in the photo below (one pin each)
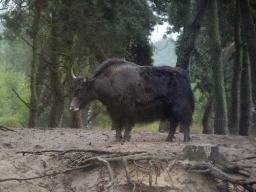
(72, 73)
(86, 74)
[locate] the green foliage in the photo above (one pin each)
(200, 103)
(14, 62)
(178, 14)
(103, 120)
(13, 112)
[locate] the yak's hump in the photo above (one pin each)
(107, 63)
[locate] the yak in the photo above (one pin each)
(137, 94)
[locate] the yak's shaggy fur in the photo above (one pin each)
(135, 93)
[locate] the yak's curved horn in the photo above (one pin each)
(86, 74)
(72, 73)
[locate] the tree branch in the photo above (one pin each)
(26, 42)
(21, 99)
(80, 150)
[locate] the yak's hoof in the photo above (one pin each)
(169, 139)
(118, 139)
(126, 138)
(187, 139)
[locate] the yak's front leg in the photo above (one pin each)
(128, 127)
(172, 129)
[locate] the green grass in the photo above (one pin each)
(151, 127)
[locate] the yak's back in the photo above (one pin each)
(106, 66)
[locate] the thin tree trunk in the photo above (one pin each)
(207, 127)
(246, 97)
(190, 33)
(221, 120)
(251, 41)
(89, 117)
(35, 57)
(235, 91)
(57, 106)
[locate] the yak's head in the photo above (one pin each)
(83, 91)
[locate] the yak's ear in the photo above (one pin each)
(90, 82)
(86, 79)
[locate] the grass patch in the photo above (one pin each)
(196, 128)
(151, 127)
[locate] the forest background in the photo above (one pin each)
(41, 40)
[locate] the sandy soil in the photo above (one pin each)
(238, 149)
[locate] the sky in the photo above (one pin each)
(159, 31)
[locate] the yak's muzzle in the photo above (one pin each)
(74, 104)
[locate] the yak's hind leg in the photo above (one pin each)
(172, 129)
(183, 113)
(118, 126)
(186, 131)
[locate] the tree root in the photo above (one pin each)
(209, 164)
(47, 175)
(4, 128)
(110, 172)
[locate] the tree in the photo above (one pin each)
(235, 91)
(207, 127)
(246, 96)
(250, 35)
(57, 106)
(221, 121)
(24, 21)
(33, 104)
(190, 33)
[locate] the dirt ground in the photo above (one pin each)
(237, 149)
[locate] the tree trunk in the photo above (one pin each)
(33, 97)
(246, 97)
(251, 41)
(207, 127)
(235, 91)
(57, 106)
(190, 33)
(89, 117)
(221, 120)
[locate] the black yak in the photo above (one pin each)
(135, 93)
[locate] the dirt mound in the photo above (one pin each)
(170, 176)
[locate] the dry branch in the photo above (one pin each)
(167, 171)
(4, 128)
(79, 150)
(150, 175)
(47, 175)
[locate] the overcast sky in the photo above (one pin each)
(159, 31)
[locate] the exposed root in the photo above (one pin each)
(47, 175)
(128, 176)
(110, 172)
(153, 161)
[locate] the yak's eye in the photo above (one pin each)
(78, 91)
